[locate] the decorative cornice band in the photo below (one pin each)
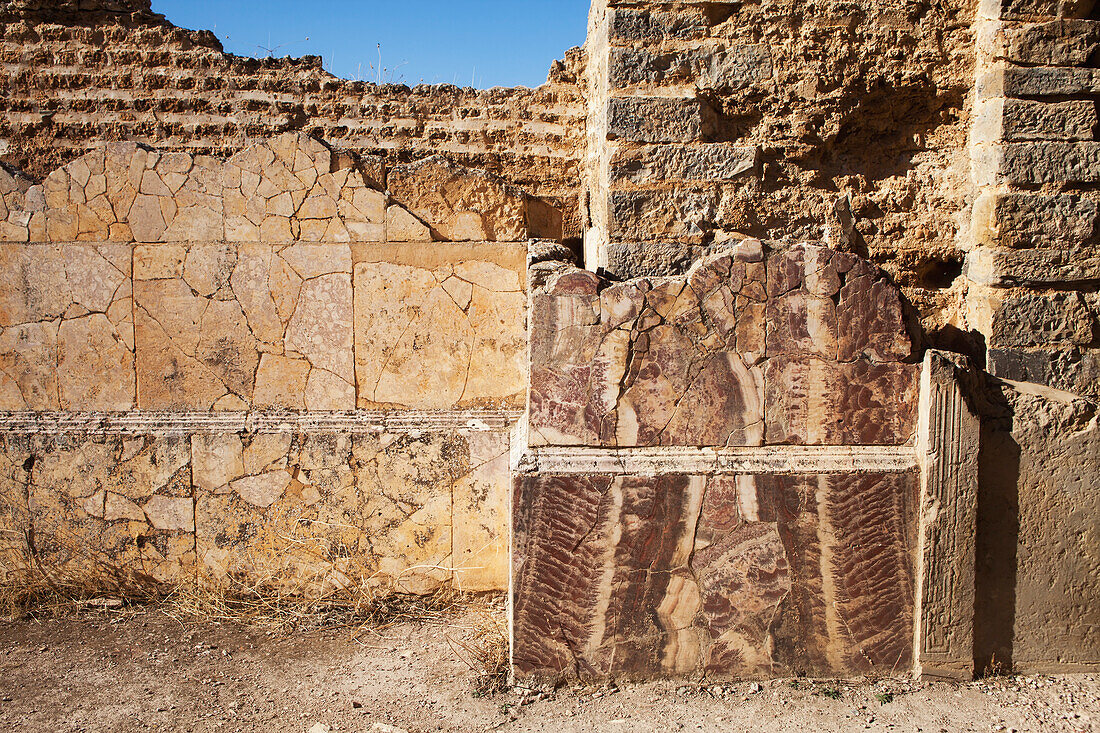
(779, 459)
(188, 423)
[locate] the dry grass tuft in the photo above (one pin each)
(485, 648)
(30, 591)
(284, 611)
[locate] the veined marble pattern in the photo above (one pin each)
(801, 345)
(734, 576)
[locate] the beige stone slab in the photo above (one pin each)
(481, 510)
(66, 327)
(109, 505)
(436, 337)
(256, 324)
(323, 511)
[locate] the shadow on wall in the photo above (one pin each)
(1037, 578)
(997, 539)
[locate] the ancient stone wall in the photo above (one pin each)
(832, 120)
(77, 74)
(262, 367)
(1033, 257)
(228, 353)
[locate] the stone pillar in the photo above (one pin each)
(659, 168)
(1035, 153)
(948, 437)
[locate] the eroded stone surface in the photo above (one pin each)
(804, 345)
(458, 203)
(313, 512)
(294, 511)
(107, 505)
(623, 576)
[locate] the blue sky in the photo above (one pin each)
(488, 42)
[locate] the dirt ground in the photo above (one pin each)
(149, 671)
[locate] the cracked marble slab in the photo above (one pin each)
(793, 345)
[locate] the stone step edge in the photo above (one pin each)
(656, 461)
(138, 422)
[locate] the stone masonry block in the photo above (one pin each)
(724, 69)
(1074, 370)
(1012, 267)
(657, 120)
(1038, 81)
(684, 215)
(654, 24)
(1032, 220)
(1055, 43)
(1031, 120)
(1036, 9)
(1028, 319)
(655, 164)
(626, 259)
(460, 204)
(1036, 163)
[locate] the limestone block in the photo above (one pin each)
(28, 367)
(1021, 318)
(728, 576)
(270, 324)
(460, 204)
(1054, 43)
(655, 164)
(216, 460)
(480, 523)
(646, 24)
(1031, 120)
(659, 120)
(630, 259)
(948, 444)
(1009, 267)
(1038, 81)
(1070, 369)
(720, 68)
(290, 187)
(66, 327)
(439, 336)
(681, 215)
(1025, 219)
(1036, 9)
(401, 226)
(1049, 162)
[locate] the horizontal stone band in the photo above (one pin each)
(187, 423)
(780, 459)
